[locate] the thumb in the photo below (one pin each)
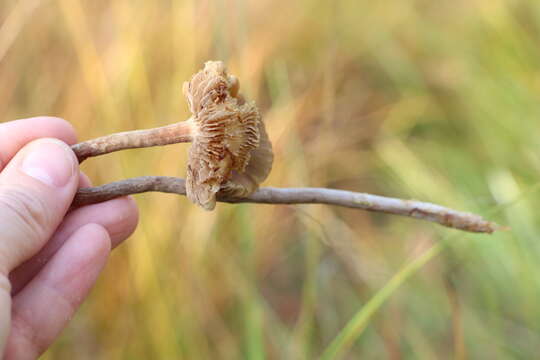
(36, 190)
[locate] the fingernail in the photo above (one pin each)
(49, 162)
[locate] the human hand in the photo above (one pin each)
(49, 257)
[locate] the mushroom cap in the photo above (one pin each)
(231, 151)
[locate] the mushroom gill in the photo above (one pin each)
(231, 153)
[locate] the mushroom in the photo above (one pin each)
(230, 151)
(230, 154)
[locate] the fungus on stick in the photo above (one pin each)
(230, 151)
(231, 155)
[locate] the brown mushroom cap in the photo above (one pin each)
(231, 151)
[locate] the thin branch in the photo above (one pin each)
(411, 208)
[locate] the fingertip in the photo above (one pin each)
(101, 240)
(125, 219)
(49, 160)
(74, 268)
(14, 135)
(56, 125)
(84, 180)
(134, 207)
(121, 216)
(88, 248)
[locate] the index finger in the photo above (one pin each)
(15, 134)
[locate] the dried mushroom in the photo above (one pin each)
(231, 153)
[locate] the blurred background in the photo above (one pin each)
(432, 100)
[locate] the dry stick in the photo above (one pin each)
(412, 208)
(183, 131)
(170, 134)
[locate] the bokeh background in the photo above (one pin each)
(433, 100)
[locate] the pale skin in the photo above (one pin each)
(50, 257)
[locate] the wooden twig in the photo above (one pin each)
(411, 208)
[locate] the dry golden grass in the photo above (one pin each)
(431, 100)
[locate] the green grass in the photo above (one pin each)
(360, 320)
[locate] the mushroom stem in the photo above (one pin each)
(411, 208)
(180, 132)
